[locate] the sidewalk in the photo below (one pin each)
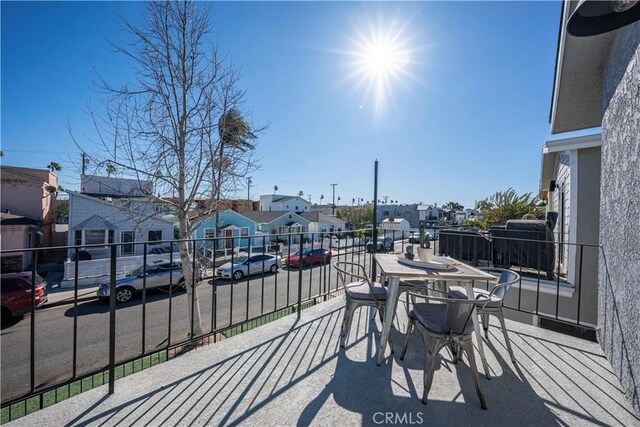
(60, 296)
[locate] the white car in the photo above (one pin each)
(245, 266)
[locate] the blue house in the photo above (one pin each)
(279, 224)
(237, 230)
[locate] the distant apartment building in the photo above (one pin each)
(408, 212)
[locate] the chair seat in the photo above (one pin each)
(461, 293)
(433, 317)
(361, 290)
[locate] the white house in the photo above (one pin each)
(283, 203)
(115, 212)
(399, 224)
(322, 223)
(430, 213)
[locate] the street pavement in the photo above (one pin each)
(166, 320)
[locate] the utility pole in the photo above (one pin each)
(333, 206)
(249, 188)
(84, 163)
(309, 196)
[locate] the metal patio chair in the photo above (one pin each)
(444, 322)
(359, 292)
(506, 278)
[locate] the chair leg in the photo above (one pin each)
(468, 347)
(485, 325)
(507, 341)
(346, 323)
(406, 339)
(431, 357)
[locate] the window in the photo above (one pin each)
(244, 231)
(209, 233)
(385, 213)
(155, 235)
(111, 233)
(94, 237)
(159, 207)
(127, 237)
(10, 286)
(78, 238)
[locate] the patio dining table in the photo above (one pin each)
(395, 271)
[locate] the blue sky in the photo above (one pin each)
(466, 118)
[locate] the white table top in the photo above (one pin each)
(462, 272)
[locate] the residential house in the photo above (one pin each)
(459, 217)
(30, 193)
(596, 85)
(429, 213)
(18, 232)
(236, 229)
(408, 212)
(279, 224)
(116, 210)
(323, 223)
(283, 203)
(395, 224)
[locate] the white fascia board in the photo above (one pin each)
(575, 143)
(559, 62)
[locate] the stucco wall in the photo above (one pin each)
(619, 272)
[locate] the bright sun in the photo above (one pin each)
(380, 59)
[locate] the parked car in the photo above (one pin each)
(385, 244)
(15, 294)
(157, 277)
(415, 239)
(309, 257)
(245, 266)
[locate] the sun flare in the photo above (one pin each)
(381, 58)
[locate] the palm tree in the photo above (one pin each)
(54, 167)
(321, 198)
(235, 133)
(275, 189)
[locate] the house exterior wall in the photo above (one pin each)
(288, 204)
(82, 208)
(17, 237)
(408, 212)
(225, 219)
(587, 216)
(619, 272)
(326, 227)
(562, 204)
(30, 197)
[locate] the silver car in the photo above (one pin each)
(158, 276)
(245, 266)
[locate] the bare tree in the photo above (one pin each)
(180, 124)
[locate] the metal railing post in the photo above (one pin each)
(32, 346)
(112, 320)
(299, 303)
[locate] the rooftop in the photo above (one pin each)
(294, 372)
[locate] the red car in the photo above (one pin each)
(15, 294)
(309, 257)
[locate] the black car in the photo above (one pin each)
(385, 244)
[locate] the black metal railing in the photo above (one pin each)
(553, 281)
(102, 341)
(92, 341)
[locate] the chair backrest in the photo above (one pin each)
(355, 272)
(506, 278)
(457, 314)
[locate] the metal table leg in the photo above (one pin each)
(478, 331)
(389, 312)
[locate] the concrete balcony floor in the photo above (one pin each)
(295, 373)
